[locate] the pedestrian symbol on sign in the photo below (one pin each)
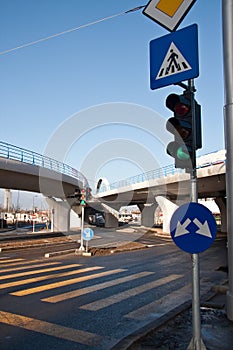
(173, 63)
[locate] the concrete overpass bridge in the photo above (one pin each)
(169, 187)
(21, 169)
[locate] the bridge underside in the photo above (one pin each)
(211, 187)
(17, 175)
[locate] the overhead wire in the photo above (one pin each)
(69, 30)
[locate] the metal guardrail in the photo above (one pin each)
(153, 174)
(150, 175)
(29, 157)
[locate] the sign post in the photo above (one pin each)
(83, 204)
(193, 229)
(172, 63)
(82, 227)
(227, 26)
(196, 341)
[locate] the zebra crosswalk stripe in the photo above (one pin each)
(48, 328)
(32, 266)
(9, 261)
(102, 303)
(46, 287)
(42, 278)
(78, 292)
(28, 273)
(18, 262)
(164, 304)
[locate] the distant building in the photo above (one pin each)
(7, 200)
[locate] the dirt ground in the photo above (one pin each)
(177, 334)
(125, 247)
(14, 244)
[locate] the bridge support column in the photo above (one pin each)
(60, 215)
(110, 220)
(168, 209)
(222, 204)
(148, 214)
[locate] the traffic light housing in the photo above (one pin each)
(83, 197)
(186, 139)
(88, 193)
(77, 193)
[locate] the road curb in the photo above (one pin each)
(31, 245)
(60, 252)
(34, 244)
(129, 340)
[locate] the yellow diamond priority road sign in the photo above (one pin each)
(168, 13)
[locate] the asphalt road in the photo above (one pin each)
(74, 302)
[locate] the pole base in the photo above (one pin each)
(196, 345)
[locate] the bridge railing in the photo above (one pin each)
(149, 175)
(29, 157)
(154, 174)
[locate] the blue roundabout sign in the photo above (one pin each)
(193, 227)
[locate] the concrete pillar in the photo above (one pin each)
(222, 204)
(148, 214)
(75, 220)
(60, 215)
(110, 220)
(168, 209)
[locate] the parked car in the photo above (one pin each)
(97, 219)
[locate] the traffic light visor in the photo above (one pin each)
(183, 128)
(178, 104)
(177, 151)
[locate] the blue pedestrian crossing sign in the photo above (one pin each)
(174, 57)
(193, 227)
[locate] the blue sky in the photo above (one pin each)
(84, 72)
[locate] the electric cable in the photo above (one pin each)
(69, 30)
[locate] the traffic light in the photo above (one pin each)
(77, 193)
(181, 126)
(88, 193)
(83, 197)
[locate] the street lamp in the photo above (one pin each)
(33, 203)
(33, 210)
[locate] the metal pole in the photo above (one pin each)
(52, 219)
(196, 342)
(86, 246)
(227, 28)
(82, 227)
